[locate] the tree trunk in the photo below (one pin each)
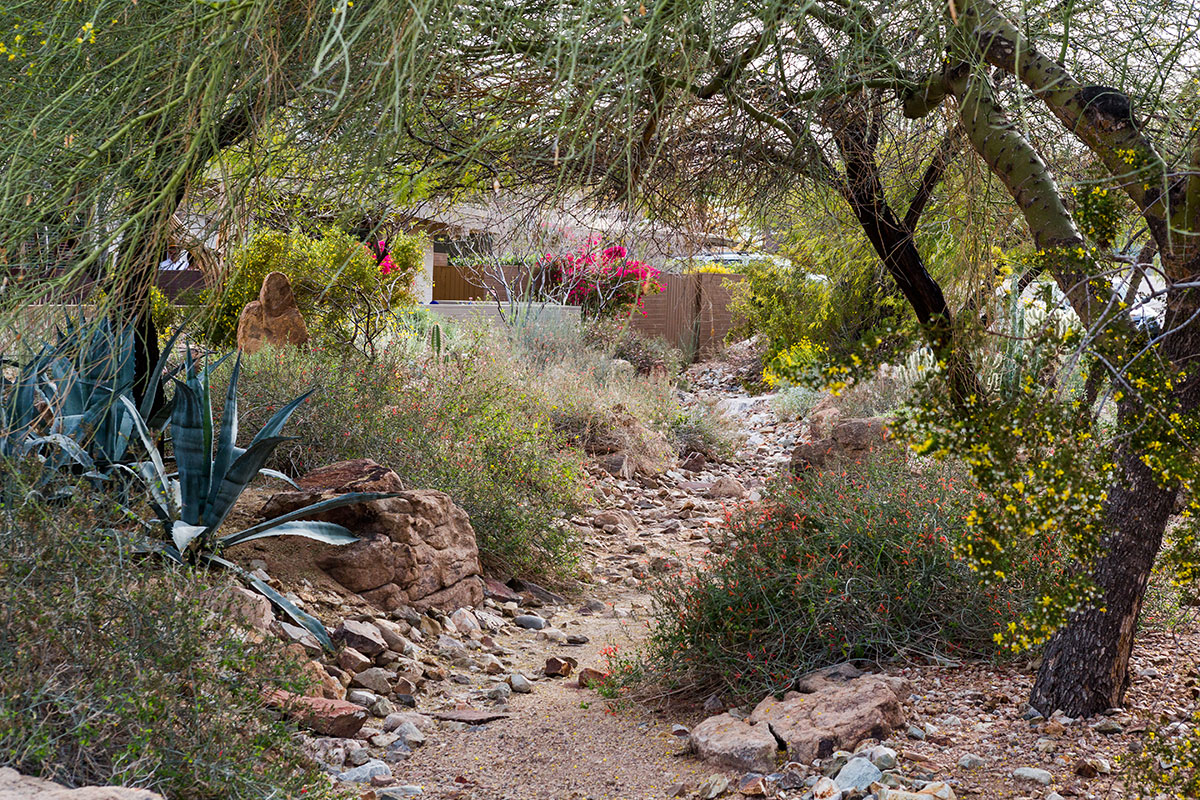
(1085, 668)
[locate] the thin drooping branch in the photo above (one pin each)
(950, 146)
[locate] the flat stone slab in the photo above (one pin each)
(473, 716)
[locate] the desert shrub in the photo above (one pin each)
(458, 424)
(852, 563)
(795, 402)
(700, 429)
(648, 354)
(117, 670)
(346, 294)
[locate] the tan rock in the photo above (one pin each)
(15, 786)
(731, 742)
(836, 715)
(417, 548)
(274, 318)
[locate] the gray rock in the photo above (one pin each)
(410, 735)
(376, 679)
(730, 742)
(501, 691)
(858, 774)
(714, 786)
(382, 708)
(396, 792)
(519, 683)
(361, 697)
(530, 622)
(1033, 774)
(971, 761)
(1107, 727)
(363, 774)
(915, 732)
(883, 757)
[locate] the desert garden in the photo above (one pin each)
(523, 401)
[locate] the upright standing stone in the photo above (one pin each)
(274, 318)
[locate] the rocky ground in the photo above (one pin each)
(499, 701)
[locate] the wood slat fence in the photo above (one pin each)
(692, 311)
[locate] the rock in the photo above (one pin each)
(465, 621)
(530, 622)
(576, 639)
(729, 742)
(883, 757)
(1107, 727)
(559, 667)
(372, 769)
(713, 786)
(362, 636)
(837, 714)
(1032, 774)
(397, 792)
(501, 691)
(417, 548)
(274, 318)
(971, 761)
(376, 679)
(408, 733)
(848, 438)
(15, 786)
(382, 708)
(419, 721)
(247, 607)
(319, 714)
(301, 636)
(857, 775)
(752, 785)
(1091, 766)
(826, 789)
(593, 607)
(553, 635)
(361, 697)
(589, 678)
(519, 683)
(352, 661)
(726, 488)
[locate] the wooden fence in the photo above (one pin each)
(691, 313)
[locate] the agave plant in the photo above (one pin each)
(192, 504)
(91, 369)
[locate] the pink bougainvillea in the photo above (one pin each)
(606, 283)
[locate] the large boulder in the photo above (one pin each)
(849, 438)
(835, 710)
(15, 786)
(417, 548)
(274, 318)
(730, 742)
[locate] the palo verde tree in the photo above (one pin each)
(708, 101)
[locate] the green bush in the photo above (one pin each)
(460, 424)
(852, 563)
(117, 670)
(347, 298)
(790, 310)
